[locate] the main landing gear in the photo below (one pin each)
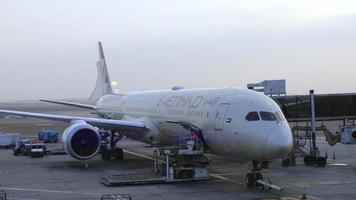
(255, 178)
(109, 151)
(115, 154)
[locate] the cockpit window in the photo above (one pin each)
(252, 116)
(268, 116)
(279, 116)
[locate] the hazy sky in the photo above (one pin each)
(48, 49)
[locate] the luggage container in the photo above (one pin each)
(8, 140)
(48, 136)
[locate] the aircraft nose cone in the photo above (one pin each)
(279, 143)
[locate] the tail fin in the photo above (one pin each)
(103, 84)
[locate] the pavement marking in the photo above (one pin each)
(17, 198)
(43, 124)
(138, 154)
(226, 179)
(47, 191)
(339, 164)
(279, 198)
(318, 183)
(228, 174)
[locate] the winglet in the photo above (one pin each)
(103, 84)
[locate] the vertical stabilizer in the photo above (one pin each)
(103, 84)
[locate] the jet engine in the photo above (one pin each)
(81, 140)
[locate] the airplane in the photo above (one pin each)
(237, 123)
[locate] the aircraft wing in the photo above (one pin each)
(120, 125)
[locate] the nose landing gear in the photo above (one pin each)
(255, 178)
(255, 174)
(251, 179)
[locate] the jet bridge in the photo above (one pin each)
(318, 107)
(328, 107)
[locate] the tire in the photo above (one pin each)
(17, 152)
(119, 154)
(321, 161)
(105, 155)
(285, 162)
(307, 160)
(294, 161)
(259, 176)
(250, 180)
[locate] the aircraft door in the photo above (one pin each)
(220, 116)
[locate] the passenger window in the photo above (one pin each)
(252, 116)
(268, 116)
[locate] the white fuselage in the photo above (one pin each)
(220, 114)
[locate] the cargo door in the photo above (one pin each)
(220, 116)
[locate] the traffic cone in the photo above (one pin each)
(334, 155)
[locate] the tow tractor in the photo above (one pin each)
(32, 148)
(37, 150)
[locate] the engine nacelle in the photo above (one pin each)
(81, 140)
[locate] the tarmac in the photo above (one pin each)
(62, 177)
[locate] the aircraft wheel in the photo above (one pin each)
(321, 161)
(119, 154)
(250, 179)
(285, 162)
(293, 161)
(105, 155)
(259, 176)
(307, 160)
